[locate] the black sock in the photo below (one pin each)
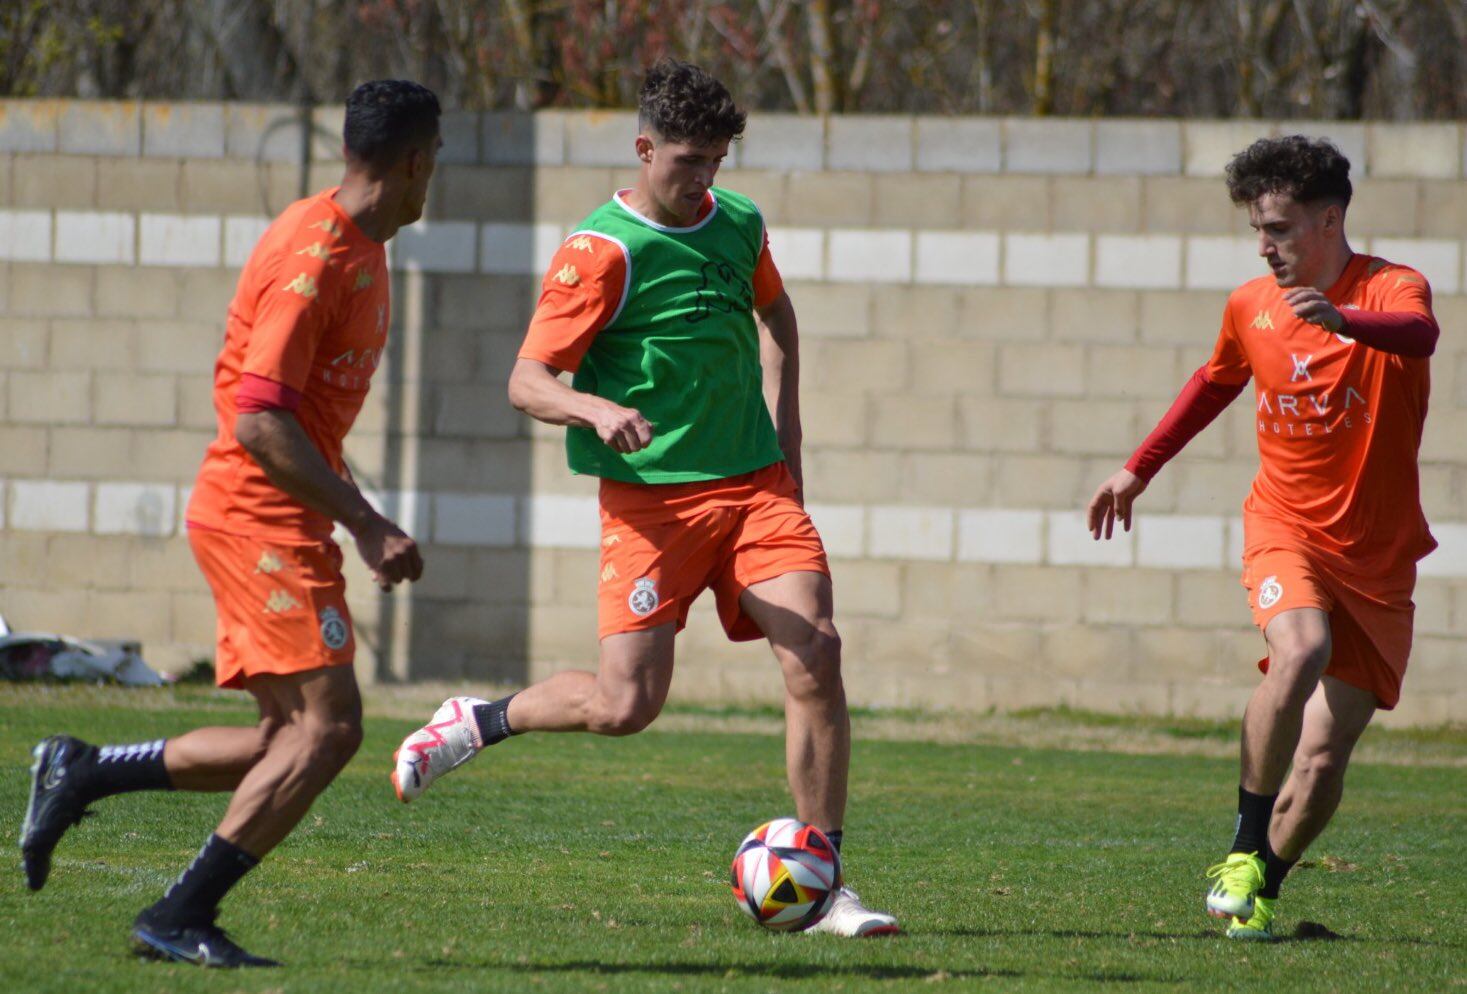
(118, 769)
(1255, 811)
(493, 720)
(198, 891)
(1275, 868)
(835, 837)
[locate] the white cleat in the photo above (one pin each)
(447, 742)
(848, 916)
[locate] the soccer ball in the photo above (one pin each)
(785, 875)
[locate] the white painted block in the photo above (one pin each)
(1070, 543)
(177, 240)
(135, 509)
(1180, 541)
(869, 143)
(842, 528)
(25, 236)
(241, 234)
(1046, 260)
(962, 258)
(798, 253)
(436, 247)
(185, 494)
(1450, 556)
(553, 521)
(861, 255)
(518, 249)
(49, 506)
(910, 533)
(1221, 263)
(95, 237)
(1439, 260)
(474, 519)
(1047, 145)
(1235, 542)
(1129, 147)
(1000, 536)
(408, 509)
(959, 144)
(1146, 262)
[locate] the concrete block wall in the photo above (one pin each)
(993, 313)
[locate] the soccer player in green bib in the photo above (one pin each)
(666, 306)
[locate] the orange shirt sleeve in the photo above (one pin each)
(1404, 289)
(297, 303)
(768, 284)
(1229, 363)
(582, 292)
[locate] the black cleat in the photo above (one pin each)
(55, 804)
(203, 944)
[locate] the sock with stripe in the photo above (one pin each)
(493, 720)
(192, 898)
(120, 769)
(1255, 811)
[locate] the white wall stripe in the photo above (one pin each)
(850, 531)
(864, 255)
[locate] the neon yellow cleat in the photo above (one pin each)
(1258, 928)
(1238, 878)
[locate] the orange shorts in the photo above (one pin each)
(1370, 621)
(663, 544)
(282, 608)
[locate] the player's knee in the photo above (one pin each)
(1322, 766)
(1299, 664)
(817, 673)
(332, 742)
(626, 717)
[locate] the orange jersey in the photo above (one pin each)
(1339, 424)
(309, 316)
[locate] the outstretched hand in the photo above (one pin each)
(1113, 500)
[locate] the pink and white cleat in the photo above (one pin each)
(849, 917)
(448, 741)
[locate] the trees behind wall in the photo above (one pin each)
(1326, 59)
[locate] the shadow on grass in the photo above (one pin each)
(791, 971)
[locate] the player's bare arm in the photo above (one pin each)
(536, 389)
(278, 443)
(779, 354)
(1112, 502)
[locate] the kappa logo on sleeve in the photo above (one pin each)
(303, 285)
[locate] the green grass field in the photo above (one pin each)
(567, 863)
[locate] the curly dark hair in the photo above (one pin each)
(385, 118)
(1307, 169)
(682, 103)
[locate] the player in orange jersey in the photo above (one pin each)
(1337, 346)
(305, 332)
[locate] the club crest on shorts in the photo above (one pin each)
(1269, 592)
(643, 599)
(333, 629)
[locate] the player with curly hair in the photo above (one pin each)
(1337, 345)
(666, 305)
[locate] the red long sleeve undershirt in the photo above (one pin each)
(1199, 403)
(1404, 333)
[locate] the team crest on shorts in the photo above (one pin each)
(333, 629)
(1269, 592)
(643, 600)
